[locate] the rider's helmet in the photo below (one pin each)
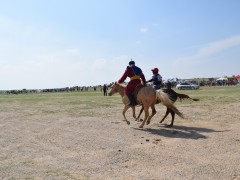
(131, 62)
(155, 70)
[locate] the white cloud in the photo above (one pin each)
(33, 58)
(209, 49)
(218, 46)
(99, 64)
(71, 51)
(144, 29)
(202, 61)
(56, 69)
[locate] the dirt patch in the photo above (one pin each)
(39, 144)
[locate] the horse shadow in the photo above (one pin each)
(184, 132)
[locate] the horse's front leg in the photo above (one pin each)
(153, 113)
(134, 113)
(146, 115)
(140, 114)
(124, 111)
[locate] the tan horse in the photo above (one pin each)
(173, 96)
(147, 97)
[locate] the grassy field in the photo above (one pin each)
(216, 94)
(72, 103)
(91, 103)
(91, 99)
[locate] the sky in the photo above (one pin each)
(65, 43)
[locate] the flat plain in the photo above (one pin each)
(81, 135)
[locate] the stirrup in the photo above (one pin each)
(132, 104)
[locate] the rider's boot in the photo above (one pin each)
(132, 101)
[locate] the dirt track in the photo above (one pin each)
(55, 146)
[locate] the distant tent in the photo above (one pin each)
(221, 79)
(238, 76)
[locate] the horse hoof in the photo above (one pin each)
(148, 122)
(128, 123)
(140, 126)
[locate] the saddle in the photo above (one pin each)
(156, 87)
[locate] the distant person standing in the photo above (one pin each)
(105, 88)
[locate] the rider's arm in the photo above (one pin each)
(143, 78)
(124, 76)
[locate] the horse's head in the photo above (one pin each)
(113, 89)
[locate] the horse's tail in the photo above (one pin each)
(184, 96)
(165, 100)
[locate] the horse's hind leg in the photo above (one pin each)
(153, 113)
(146, 114)
(167, 112)
(124, 111)
(173, 116)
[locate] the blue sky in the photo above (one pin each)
(62, 43)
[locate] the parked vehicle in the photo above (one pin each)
(187, 85)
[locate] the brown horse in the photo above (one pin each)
(147, 97)
(173, 96)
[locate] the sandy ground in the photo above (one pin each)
(57, 146)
